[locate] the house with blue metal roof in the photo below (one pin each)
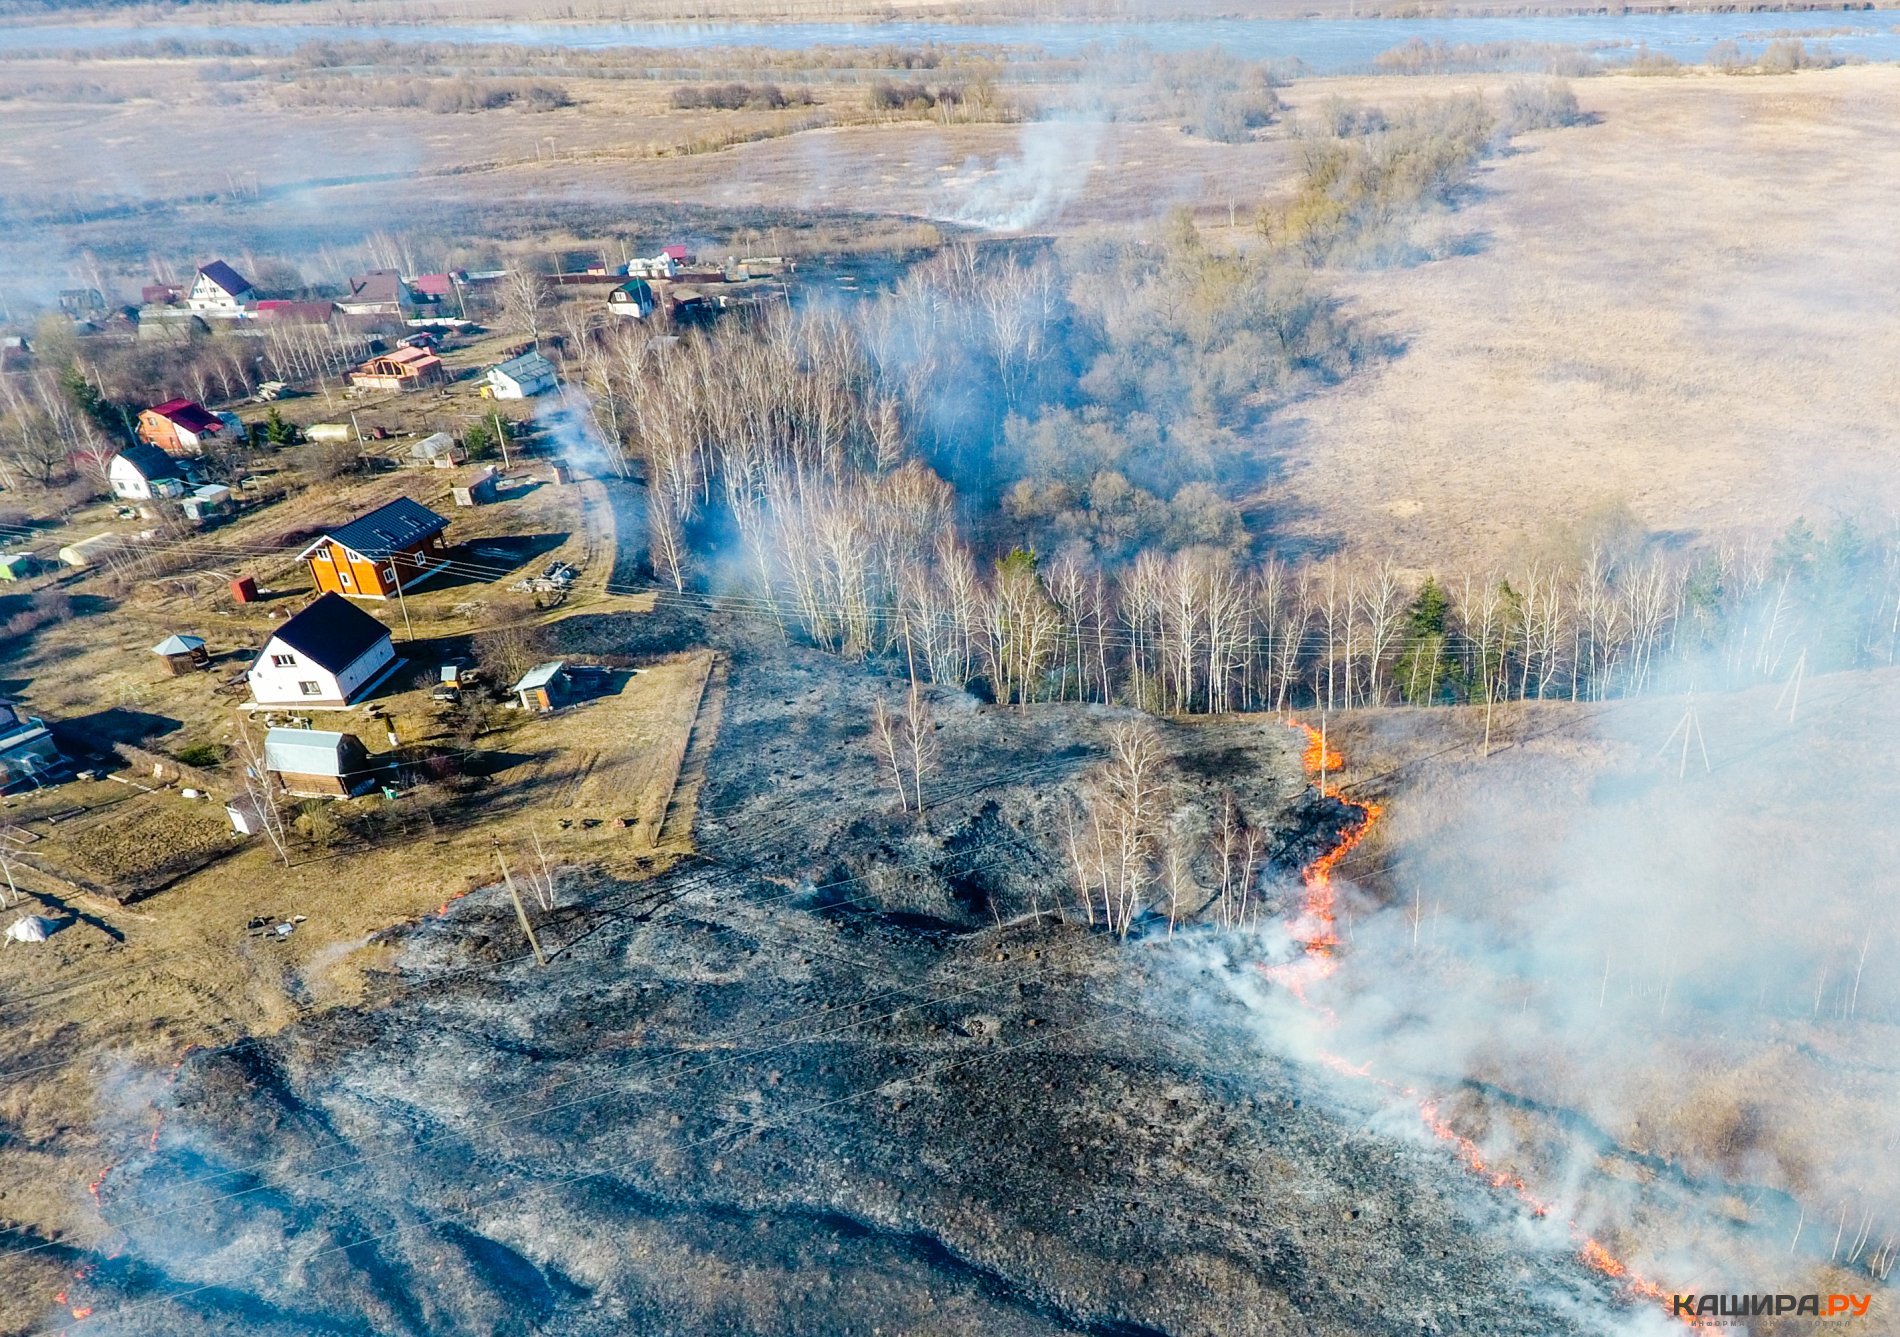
(394, 547)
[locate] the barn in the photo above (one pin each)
(311, 763)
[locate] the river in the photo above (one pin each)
(1322, 45)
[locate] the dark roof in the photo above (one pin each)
(192, 417)
(388, 529)
(226, 277)
(332, 633)
(151, 462)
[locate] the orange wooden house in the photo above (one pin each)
(400, 369)
(179, 427)
(394, 546)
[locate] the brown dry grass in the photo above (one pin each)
(1685, 307)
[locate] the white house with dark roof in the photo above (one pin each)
(142, 472)
(218, 290)
(329, 655)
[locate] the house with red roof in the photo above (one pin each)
(180, 427)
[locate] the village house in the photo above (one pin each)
(330, 654)
(436, 287)
(521, 377)
(218, 291)
(398, 545)
(142, 473)
(400, 369)
(28, 754)
(309, 763)
(381, 292)
(633, 299)
(180, 427)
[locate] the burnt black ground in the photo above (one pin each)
(837, 1077)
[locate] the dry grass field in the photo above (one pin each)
(1686, 307)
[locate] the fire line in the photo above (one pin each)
(1315, 930)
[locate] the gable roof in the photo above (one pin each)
(385, 530)
(527, 367)
(433, 285)
(331, 633)
(188, 415)
(379, 285)
(151, 463)
(310, 751)
(226, 278)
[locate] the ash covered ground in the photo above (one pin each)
(839, 1074)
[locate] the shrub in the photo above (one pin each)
(885, 95)
(203, 754)
(1541, 105)
(538, 96)
(461, 95)
(316, 823)
(1650, 62)
(738, 97)
(1343, 120)
(1787, 54)
(1726, 56)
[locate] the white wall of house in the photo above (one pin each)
(126, 481)
(504, 386)
(209, 298)
(283, 677)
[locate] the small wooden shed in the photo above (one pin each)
(316, 764)
(543, 687)
(182, 654)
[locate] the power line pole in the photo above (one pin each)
(395, 570)
(521, 911)
(1690, 728)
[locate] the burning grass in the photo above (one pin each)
(1656, 1001)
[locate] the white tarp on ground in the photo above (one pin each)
(29, 928)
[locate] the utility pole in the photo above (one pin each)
(1689, 727)
(521, 911)
(395, 571)
(1322, 754)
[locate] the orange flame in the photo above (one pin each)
(1315, 931)
(1316, 928)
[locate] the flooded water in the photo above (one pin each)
(1323, 45)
